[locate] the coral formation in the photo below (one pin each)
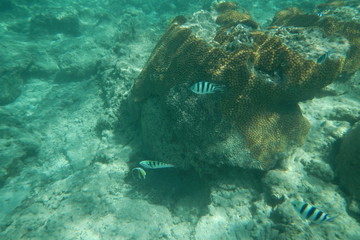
(332, 22)
(230, 17)
(294, 17)
(331, 3)
(264, 79)
(225, 6)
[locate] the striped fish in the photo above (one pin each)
(155, 165)
(206, 88)
(138, 173)
(311, 213)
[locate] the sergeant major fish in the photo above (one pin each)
(155, 164)
(138, 173)
(311, 213)
(206, 87)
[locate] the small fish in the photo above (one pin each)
(206, 87)
(323, 57)
(155, 165)
(138, 173)
(320, 14)
(311, 213)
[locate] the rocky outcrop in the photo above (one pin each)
(17, 145)
(347, 162)
(253, 120)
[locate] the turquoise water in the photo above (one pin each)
(71, 132)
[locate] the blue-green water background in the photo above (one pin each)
(61, 175)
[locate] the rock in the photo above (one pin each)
(42, 66)
(89, 205)
(279, 183)
(187, 124)
(17, 144)
(14, 60)
(76, 62)
(11, 85)
(321, 170)
(55, 21)
(347, 162)
(257, 114)
(79, 150)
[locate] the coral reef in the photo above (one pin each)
(264, 81)
(225, 7)
(294, 17)
(333, 18)
(230, 16)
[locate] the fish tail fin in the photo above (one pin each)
(331, 219)
(219, 88)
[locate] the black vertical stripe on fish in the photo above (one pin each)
(138, 174)
(318, 215)
(212, 88)
(155, 164)
(204, 87)
(303, 208)
(207, 87)
(310, 212)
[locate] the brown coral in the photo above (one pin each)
(264, 110)
(225, 6)
(232, 18)
(331, 3)
(330, 26)
(282, 16)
